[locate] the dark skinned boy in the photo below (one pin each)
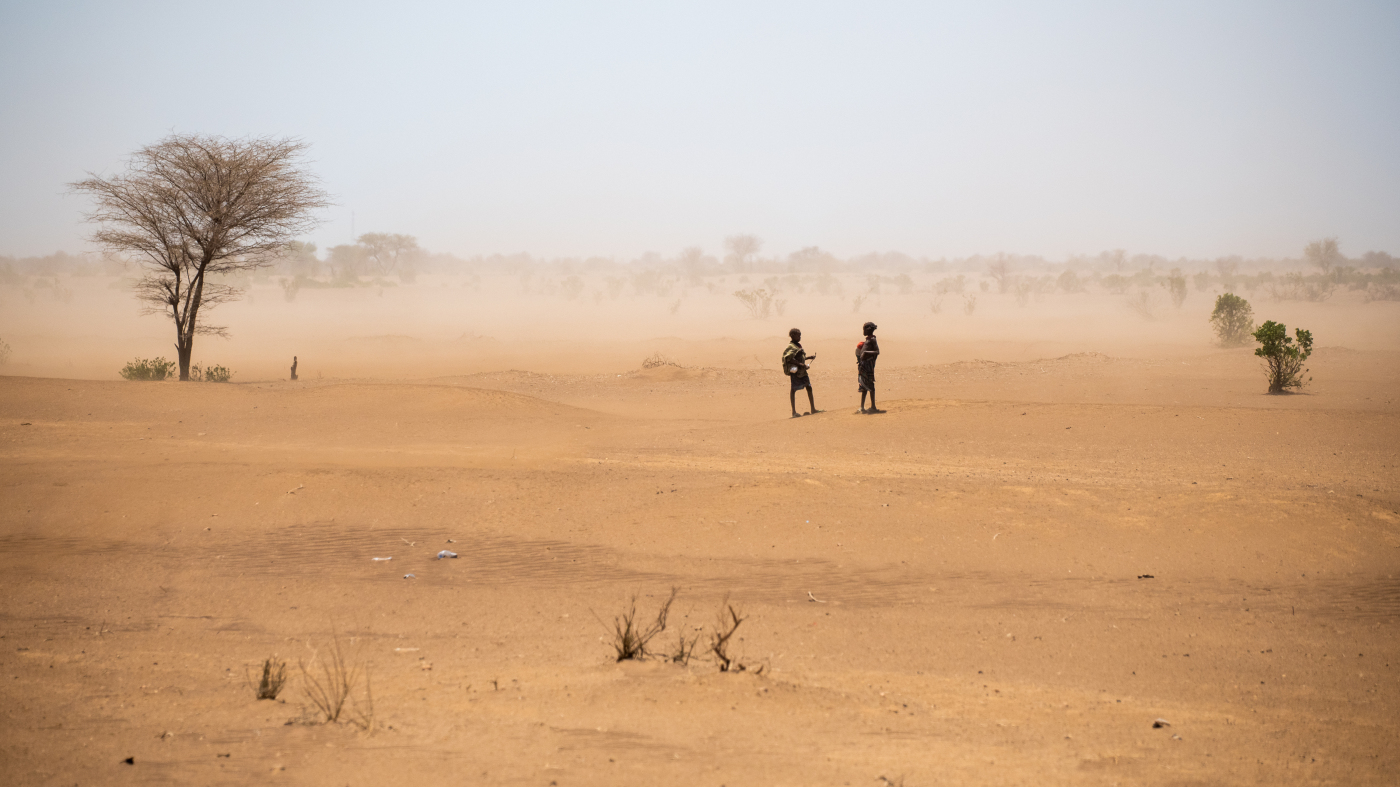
(796, 362)
(865, 368)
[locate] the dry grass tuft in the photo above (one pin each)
(331, 688)
(274, 677)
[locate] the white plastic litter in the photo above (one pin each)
(410, 576)
(444, 553)
(379, 559)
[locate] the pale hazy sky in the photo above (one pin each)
(1179, 128)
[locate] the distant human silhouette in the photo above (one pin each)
(867, 352)
(294, 368)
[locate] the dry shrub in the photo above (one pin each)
(726, 623)
(759, 302)
(657, 360)
(1144, 304)
(631, 637)
(685, 649)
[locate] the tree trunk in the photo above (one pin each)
(185, 348)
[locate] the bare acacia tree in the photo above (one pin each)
(193, 206)
(1000, 270)
(1324, 255)
(741, 249)
(390, 251)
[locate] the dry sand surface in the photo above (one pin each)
(1005, 579)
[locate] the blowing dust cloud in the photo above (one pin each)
(703, 394)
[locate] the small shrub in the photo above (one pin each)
(656, 360)
(1233, 319)
(936, 305)
(1144, 304)
(4, 352)
(274, 676)
(1283, 359)
(148, 369)
(630, 638)
(210, 374)
(759, 302)
(969, 304)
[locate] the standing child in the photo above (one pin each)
(796, 362)
(866, 354)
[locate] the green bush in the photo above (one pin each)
(217, 374)
(1232, 319)
(148, 369)
(1283, 359)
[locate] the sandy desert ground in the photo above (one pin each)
(1005, 579)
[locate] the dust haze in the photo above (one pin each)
(386, 308)
(541, 508)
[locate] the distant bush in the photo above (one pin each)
(1375, 291)
(1297, 287)
(759, 302)
(1115, 284)
(1069, 281)
(4, 352)
(949, 284)
(1175, 282)
(1283, 359)
(210, 374)
(1233, 319)
(148, 369)
(1144, 304)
